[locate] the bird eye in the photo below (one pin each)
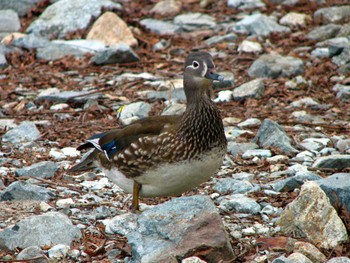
(195, 64)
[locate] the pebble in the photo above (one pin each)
(193, 21)
(45, 169)
(239, 203)
(293, 19)
(9, 21)
(64, 203)
(160, 27)
(243, 4)
(250, 47)
(25, 132)
(116, 54)
(59, 251)
(32, 252)
(251, 89)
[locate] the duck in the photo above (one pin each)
(163, 156)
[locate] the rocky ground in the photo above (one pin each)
(283, 192)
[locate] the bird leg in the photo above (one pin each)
(135, 197)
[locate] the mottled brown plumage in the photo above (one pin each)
(166, 155)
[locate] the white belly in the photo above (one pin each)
(171, 179)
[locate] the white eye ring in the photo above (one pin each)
(195, 64)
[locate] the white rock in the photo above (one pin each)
(249, 231)
(249, 123)
(250, 47)
(224, 96)
(277, 158)
(63, 203)
(193, 260)
(96, 185)
(70, 152)
(256, 153)
(304, 102)
(60, 106)
(294, 19)
(45, 207)
(56, 154)
(58, 252)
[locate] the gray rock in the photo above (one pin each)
(256, 153)
(239, 203)
(45, 169)
(282, 259)
(343, 145)
(249, 123)
(270, 134)
(238, 148)
(57, 51)
(31, 41)
(101, 212)
(59, 251)
(174, 109)
(342, 58)
(32, 252)
(176, 94)
(160, 27)
(232, 186)
(323, 32)
(139, 109)
(304, 102)
(339, 260)
(218, 39)
(315, 144)
(343, 91)
(252, 89)
(303, 116)
(25, 132)
(243, 176)
(336, 14)
(312, 216)
(322, 52)
(229, 80)
(258, 24)
(306, 176)
(121, 224)
(20, 6)
(271, 65)
(40, 230)
(121, 53)
(287, 184)
(193, 21)
(337, 188)
(336, 161)
(179, 228)
(67, 16)
(244, 4)
(3, 61)
(21, 190)
(9, 21)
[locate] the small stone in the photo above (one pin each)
(9, 21)
(250, 47)
(193, 260)
(21, 190)
(45, 207)
(323, 32)
(286, 185)
(32, 252)
(45, 169)
(272, 65)
(294, 19)
(229, 185)
(120, 53)
(57, 154)
(256, 153)
(270, 134)
(219, 39)
(310, 251)
(20, 7)
(193, 21)
(335, 14)
(64, 203)
(30, 42)
(251, 89)
(339, 260)
(249, 123)
(25, 132)
(160, 27)
(335, 161)
(343, 146)
(258, 24)
(121, 224)
(174, 109)
(321, 53)
(304, 102)
(298, 257)
(59, 251)
(102, 212)
(244, 4)
(60, 106)
(224, 96)
(111, 30)
(138, 109)
(239, 148)
(40, 230)
(239, 203)
(312, 216)
(167, 8)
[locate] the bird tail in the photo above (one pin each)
(87, 162)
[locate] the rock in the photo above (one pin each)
(230, 186)
(32, 252)
(287, 184)
(178, 228)
(64, 203)
(250, 47)
(270, 134)
(111, 30)
(167, 8)
(218, 39)
(40, 230)
(337, 188)
(9, 21)
(298, 257)
(174, 109)
(239, 148)
(31, 42)
(249, 123)
(335, 14)
(310, 251)
(304, 102)
(258, 24)
(343, 58)
(339, 260)
(321, 53)
(45, 169)
(160, 27)
(302, 116)
(114, 55)
(59, 106)
(21, 190)
(343, 145)
(228, 82)
(193, 260)
(21, 6)
(323, 32)
(25, 132)
(256, 153)
(121, 224)
(252, 89)
(56, 51)
(139, 109)
(343, 91)
(271, 65)
(336, 161)
(102, 212)
(293, 19)
(59, 251)
(175, 94)
(312, 216)
(239, 203)
(3, 61)
(193, 21)
(243, 4)
(224, 95)
(67, 16)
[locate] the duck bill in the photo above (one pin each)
(213, 76)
